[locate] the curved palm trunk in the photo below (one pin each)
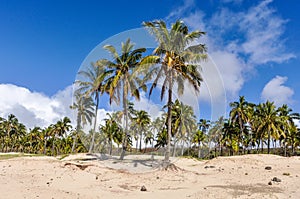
(169, 116)
(94, 129)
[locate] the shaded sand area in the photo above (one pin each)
(100, 176)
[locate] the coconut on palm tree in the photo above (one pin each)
(176, 60)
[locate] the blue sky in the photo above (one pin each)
(254, 44)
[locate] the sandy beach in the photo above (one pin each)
(100, 176)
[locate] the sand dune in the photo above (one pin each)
(101, 176)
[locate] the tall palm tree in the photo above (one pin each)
(123, 78)
(178, 61)
(85, 112)
(92, 84)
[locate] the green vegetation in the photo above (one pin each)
(250, 128)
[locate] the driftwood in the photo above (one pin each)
(80, 166)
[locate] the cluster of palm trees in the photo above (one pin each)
(53, 140)
(252, 126)
(175, 61)
(173, 64)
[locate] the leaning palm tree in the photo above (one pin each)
(85, 112)
(123, 79)
(178, 60)
(92, 85)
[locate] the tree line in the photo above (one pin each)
(174, 64)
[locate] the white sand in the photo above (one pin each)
(107, 177)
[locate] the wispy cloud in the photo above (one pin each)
(276, 91)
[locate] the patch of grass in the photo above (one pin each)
(16, 155)
(63, 156)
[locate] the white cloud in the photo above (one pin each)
(33, 108)
(297, 123)
(275, 91)
(36, 109)
(154, 110)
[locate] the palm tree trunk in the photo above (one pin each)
(141, 137)
(269, 142)
(124, 144)
(182, 147)
(169, 119)
(284, 147)
(110, 147)
(199, 150)
(95, 123)
(45, 145)
(174, 147)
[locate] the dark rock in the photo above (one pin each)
(270, 183)
(275, 179)
(246, 173)
(157, 177)
(143, 188)
(211, 167)
(96, 177)
(268, 168)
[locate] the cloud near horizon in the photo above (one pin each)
(34, 108)
(277, 92)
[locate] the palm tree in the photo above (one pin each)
(269, 122)
(178, 61)
(58, 130)
(85, 113)
(93, 85)
(111, 130)
(123, 77)
(230, 136)
(239, 114)
(287, 125)
(183, 121)
(199, 138)
(142, 121)
(215, 134)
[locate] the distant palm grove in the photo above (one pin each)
(175, 66)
